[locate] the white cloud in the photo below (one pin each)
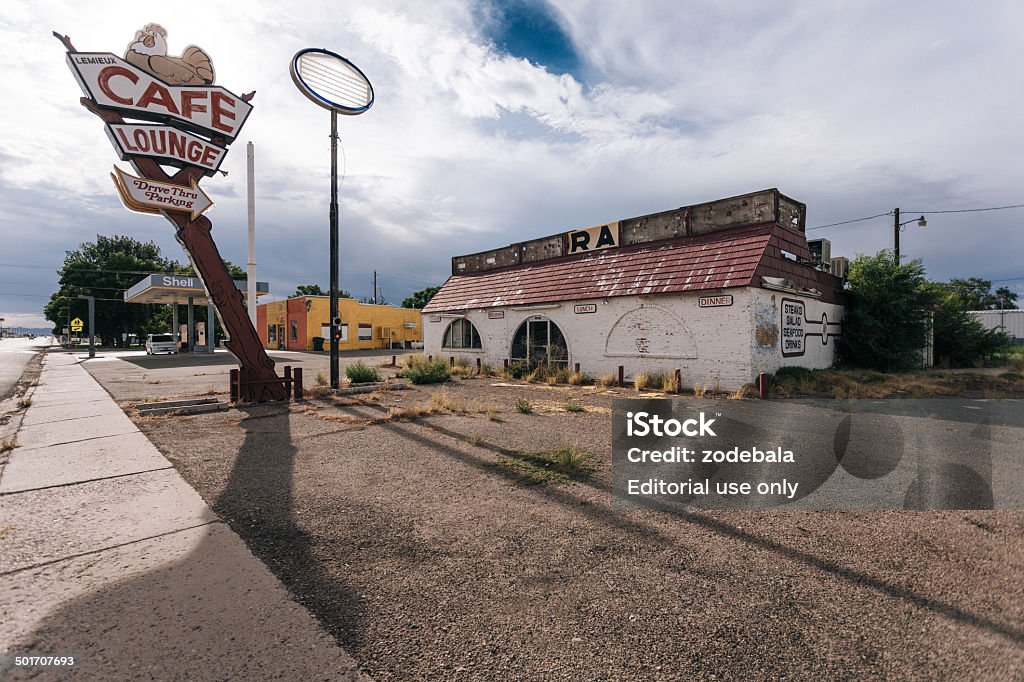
(852, 108)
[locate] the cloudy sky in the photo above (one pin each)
(501, 121)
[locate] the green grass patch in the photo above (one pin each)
(559, 466)
(523, 406)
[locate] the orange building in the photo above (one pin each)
(294, 324)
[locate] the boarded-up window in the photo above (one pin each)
(365, 332)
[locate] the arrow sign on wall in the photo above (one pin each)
(150, 196)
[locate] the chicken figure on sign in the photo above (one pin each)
(195, 121)
(149, 52)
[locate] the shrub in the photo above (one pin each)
(361, 373)
(427, 371)
(608, 379)
(321, 380)
(463, 368)
(574, 407)
(642, 380)
(523, 406)
(669, 384)
(580, 379)
(960, 339)
(886, 321)
(517, 370)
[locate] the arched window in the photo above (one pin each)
(461, 334)
(539, 341)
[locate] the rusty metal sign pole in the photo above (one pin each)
(257, 369)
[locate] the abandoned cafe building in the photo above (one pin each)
(721, 291)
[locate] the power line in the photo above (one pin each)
(961, 210)
(847, 222)
(970, 210)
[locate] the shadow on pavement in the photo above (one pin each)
(193, 610)
(258, 503)
(191, 360)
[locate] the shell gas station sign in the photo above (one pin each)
(162, 111)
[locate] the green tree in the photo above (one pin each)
(421, 298)
(960, 339)
(887, 319)
(309, 290)
(976, 294)
(315, 290)
(105, 269)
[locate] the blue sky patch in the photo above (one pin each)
(529, 29)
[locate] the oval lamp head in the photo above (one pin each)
(331, 81)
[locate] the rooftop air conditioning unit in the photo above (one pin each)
(821, 250)
(840, 266)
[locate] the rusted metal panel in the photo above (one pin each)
(722, 216)
(792, 213)
(543, 249)
(654, 227)
(749, 209)
(487, 260)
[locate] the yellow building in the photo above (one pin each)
(295, 323)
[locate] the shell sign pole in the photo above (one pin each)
(188, 124)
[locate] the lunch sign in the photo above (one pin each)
(176, 118)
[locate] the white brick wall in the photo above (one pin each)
(724, 346)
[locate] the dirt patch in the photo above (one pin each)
(13, 408)
(428, 556)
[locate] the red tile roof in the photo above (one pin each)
(713, 261)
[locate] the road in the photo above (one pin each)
(14, 355)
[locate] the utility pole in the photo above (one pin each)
(896, 235)
(92, 320)
(373, 299)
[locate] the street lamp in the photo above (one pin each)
(898, 227)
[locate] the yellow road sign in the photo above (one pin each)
(77, 324)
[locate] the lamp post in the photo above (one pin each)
(898, 227)
(332, 82)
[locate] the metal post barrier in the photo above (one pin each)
(679, 381)
(622, 376)
(234, 385)
(576, 368)
(762, 385)
(479, 365)
(297, 383)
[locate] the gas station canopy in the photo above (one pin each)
(179, 289)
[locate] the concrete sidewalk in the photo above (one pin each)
(108, 555)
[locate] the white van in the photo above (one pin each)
(160, 343)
